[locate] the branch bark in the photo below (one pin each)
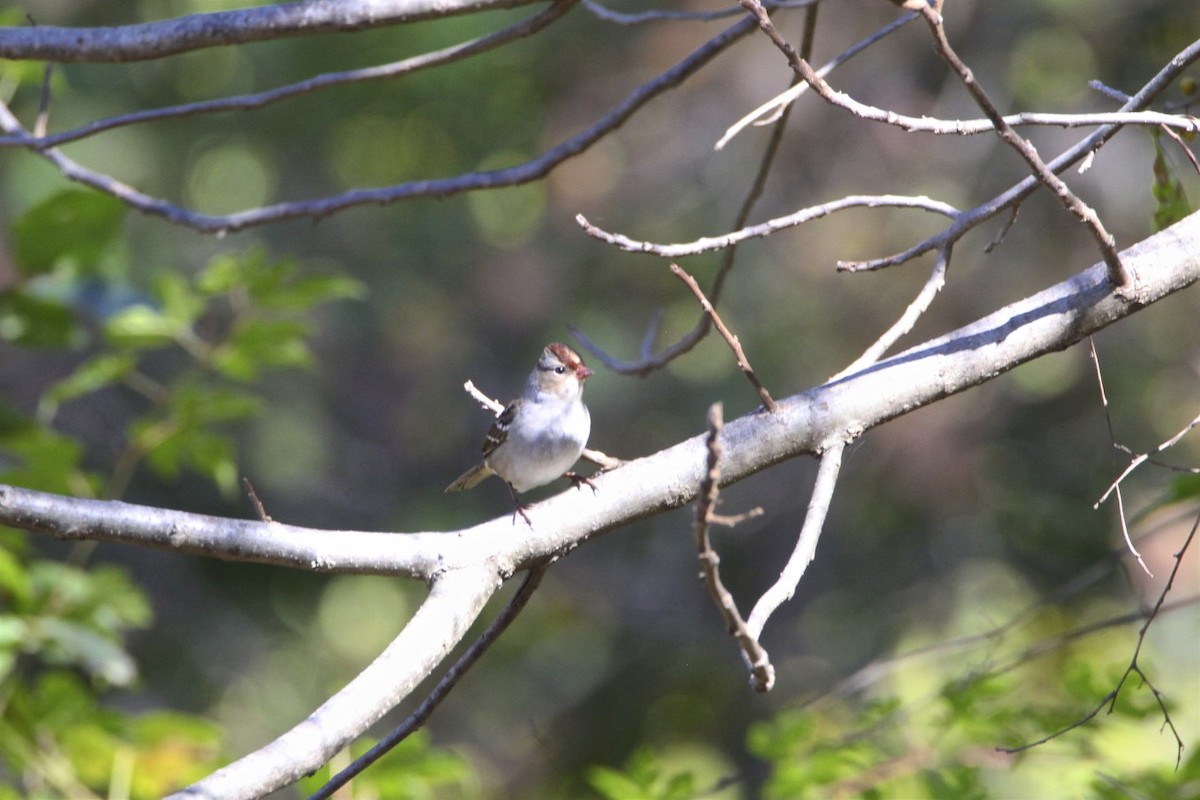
(197, 31)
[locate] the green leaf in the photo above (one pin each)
(38, 458)
(90, 376)
(613, 784)
(141, 326)
(36, 322)
(304, 293)
(263, 343)
(1171, 203)
(75, 225)
(180, 304)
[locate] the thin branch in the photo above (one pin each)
(43, 115)
(762, 672)
(650, 360)
(418, 717)
(258, 100)
(1015, 194)
(1134, 668)
(1069, 200)
(1140, 459)
(621, 18)
(259, 508)
(769, 111)
(764, 229)
(907, 321)
(526, 172)
(150, 40)
(806, 545)
(735, 345)
(455, 599)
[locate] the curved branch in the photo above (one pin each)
(316, 209)
(454, 602)
(150, 40)
(763, 229)
(806, 544)
(415, 720)
(526, 27)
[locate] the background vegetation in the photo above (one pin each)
(966, 596)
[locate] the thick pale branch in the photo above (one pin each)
(415, 720)
(454, 602)
(196, 31)
(1051, 320)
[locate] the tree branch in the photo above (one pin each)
(454, 601)
(436, 58)
(1048, 321)
(806, 544)
(151, 40)
(415, 720)
(526, 172)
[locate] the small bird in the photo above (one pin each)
(539, 435)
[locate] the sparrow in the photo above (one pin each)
(538, 436)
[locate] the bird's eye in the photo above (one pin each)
(560, 369)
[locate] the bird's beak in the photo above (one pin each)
(582, 372)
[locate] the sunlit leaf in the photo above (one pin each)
(75, 224)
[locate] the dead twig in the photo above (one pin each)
(734, 344)
(258, 506)
(762, 672)
(908, 320)
(1134, 668)
(1117, 274)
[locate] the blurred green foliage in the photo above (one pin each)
(64, 625)
(142, 361)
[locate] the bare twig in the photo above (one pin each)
(1116, 271)
(43, 115)
(1015, 194)
(762, 672)
(258, 506)
(769, 111)
(526, 172)
(1140, 459)
(734, 344)
(458, 52)
(417, 718)
(919, 305)
(1134, 668)
(769, 227)
(649, 360)
(806, 545)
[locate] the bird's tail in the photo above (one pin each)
(470, 478)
